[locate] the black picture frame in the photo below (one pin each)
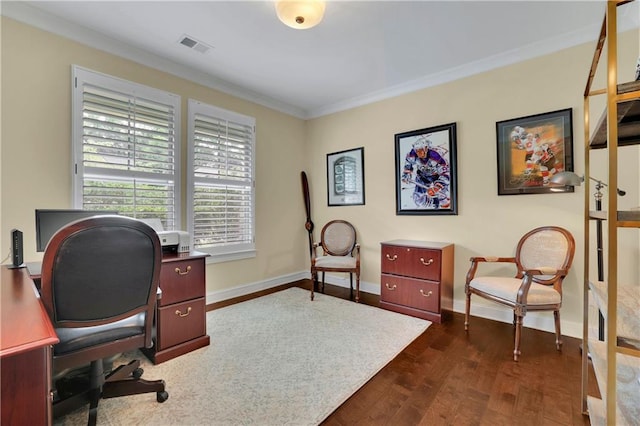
(426, 184)
(531, 150)
(345, 177)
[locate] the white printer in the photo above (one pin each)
(171, 241)
(175, 241)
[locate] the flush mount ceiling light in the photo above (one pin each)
(300, 14)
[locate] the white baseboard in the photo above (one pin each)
(242, 290)
(537, 320)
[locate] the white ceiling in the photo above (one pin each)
(361, 52)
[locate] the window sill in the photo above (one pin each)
(229, 257)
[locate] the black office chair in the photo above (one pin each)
(99, 282)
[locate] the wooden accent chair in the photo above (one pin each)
(542, 260)
(340, 253)
(99, 286)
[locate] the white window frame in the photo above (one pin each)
(80, 76)
(227, 252)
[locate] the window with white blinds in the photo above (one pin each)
(126, 148)
(221, 190)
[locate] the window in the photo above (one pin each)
(125, 148)
(221, 189)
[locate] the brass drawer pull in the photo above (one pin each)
(427, 263)
(389, 287)
(395, 256)
(179, 272)
(426, 295)
(180, 314)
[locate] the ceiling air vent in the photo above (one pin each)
(194, 44)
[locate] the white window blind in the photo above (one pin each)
(126, 148)
(221, 181)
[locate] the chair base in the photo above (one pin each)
(314, 286)
(78, 391)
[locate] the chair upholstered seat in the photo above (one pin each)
(336, 262)
(506, 288)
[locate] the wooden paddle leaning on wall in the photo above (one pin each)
(307, 205)
(308, 225)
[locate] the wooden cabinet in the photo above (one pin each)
(180, 325)
(616, 358)
(417, 278)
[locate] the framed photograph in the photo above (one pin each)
(531, 150)
(345, 177)
(426, 171)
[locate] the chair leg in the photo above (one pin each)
(466, 311)
(556, 318)
(516, 350)
(93, 407)
(322, 282)
(314, 282)
(357, 288)
(350, 286)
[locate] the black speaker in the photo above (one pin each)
(16, 248)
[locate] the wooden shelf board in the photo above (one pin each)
(623, 215)
(628, 120)
(627, 385)
(628, 320)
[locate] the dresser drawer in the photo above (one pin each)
(410, 261)
(181, 280)
(410, 292)
(180, 323)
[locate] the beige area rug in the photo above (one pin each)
(276, 360)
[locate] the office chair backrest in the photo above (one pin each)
(100, 270)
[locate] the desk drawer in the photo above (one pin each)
(180, 323)
(181, 280)
(410, 292)
(411, 261)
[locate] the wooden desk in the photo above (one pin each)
(26, 337)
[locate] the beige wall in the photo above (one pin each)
(35, 161)
(36, 149)
(487, 224)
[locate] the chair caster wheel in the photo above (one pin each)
(137, 373)
(162, 396)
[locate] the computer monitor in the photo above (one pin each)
(49, 221)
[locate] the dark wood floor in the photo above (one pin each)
(450, 377)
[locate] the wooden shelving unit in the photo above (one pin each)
(616, 360)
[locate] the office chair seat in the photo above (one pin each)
(74, 339)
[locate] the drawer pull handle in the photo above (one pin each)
(395, 256)
(427, 263)
(180, 314)
(389, 287)
(426, 295)
(179, 272)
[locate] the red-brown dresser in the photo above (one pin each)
(417, 278)
(181, 309)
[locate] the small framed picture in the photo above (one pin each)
(426, 171)
(345, 177)
(531, 150)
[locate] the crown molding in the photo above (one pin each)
(30, 15)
